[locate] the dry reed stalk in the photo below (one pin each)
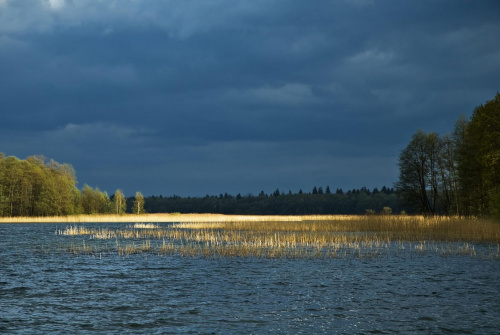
(340, 250)
(316, 237)
(373, 231)
(144, 226)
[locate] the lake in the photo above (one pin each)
(44, 288)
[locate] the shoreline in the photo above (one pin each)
(174, 217)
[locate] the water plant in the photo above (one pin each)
(303, 237)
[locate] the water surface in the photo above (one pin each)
(45, 289)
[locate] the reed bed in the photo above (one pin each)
(304, 237)
(407, 228)
(352, 251)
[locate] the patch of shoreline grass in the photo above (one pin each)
(170, 217)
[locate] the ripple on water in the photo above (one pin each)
(44, 292)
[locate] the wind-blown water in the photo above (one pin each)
(44, 289)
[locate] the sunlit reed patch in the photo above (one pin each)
(363, 237)
(144, 225)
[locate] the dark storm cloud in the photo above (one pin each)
(194, 97)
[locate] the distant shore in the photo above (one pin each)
(170, 217)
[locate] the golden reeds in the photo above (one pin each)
(303, 237)
(144, 225)
(174, 217)
(410, 228)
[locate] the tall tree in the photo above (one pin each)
(32, 187)
(64, 186)
(479, 160)
(448, 168)
(419, 172)
(461, 153)
(119, 202)
(93, 201)
(138, 205)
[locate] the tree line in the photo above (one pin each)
(40, 187)
(458, 173)
(318, 201)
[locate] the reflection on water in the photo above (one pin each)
(44, 289)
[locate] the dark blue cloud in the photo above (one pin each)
(192, 97)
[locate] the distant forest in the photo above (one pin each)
(40, 187)
(318, 201)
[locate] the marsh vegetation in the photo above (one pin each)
(292, 237)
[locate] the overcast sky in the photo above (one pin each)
(211, 96)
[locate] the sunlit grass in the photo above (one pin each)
(174, 217)
(144, 225)
(407, 228)
(303, 237)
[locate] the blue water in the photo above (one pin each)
(44, 289)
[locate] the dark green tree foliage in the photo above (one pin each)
(448, 168)
(284, 204)
(34, 187)
(478, 152)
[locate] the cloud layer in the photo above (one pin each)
(191, 97)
